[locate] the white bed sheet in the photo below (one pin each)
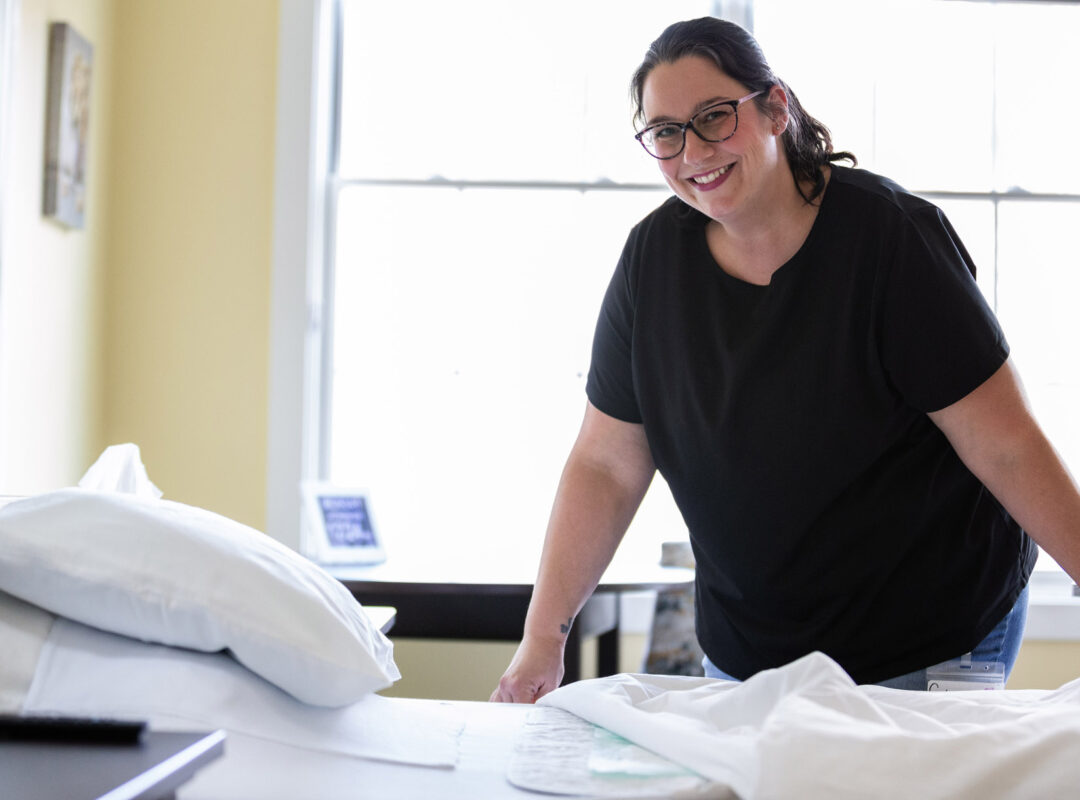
(806, 730)
(281, 749)
(83, 670)
(489, 748)
(257, 768)
(801, 731)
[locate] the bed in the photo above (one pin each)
(276, 745)
(118, 603)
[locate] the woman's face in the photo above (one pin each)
(724, 180)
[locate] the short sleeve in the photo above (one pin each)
(940, 338)
(610, 385)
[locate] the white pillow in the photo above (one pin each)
(23, 631)
(165, 572)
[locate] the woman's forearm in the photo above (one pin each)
(605, 478)
(995, 434)
(1034, 486)
(591, 512)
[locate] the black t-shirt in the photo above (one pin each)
(826, 511)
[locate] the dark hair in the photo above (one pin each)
(807, 142)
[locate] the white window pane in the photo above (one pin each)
(835, 83)
(1037, 114)
(934, 125)
(464, 322)
(1038, 287)
(916, 104)
(495, 90)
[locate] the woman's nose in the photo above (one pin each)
(697, 149)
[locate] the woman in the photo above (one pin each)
(801, 350)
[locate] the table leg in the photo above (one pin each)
(600, 618)
(607, 653)
(572, 657)
(607, 646)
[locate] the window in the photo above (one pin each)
(485, 183)
(484, 179)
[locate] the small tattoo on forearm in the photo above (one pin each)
(566, 628)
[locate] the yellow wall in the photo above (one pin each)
(52, 280)
(189, 250)
(151, 324)
(1045, 664)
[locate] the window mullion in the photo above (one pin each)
(341, 182)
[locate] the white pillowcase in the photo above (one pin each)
(165, 572)
(23, 631)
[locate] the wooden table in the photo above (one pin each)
(460, 599)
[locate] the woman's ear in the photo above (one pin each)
(778, 109)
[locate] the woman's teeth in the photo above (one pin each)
(712, 176)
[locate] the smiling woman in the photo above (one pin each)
(733, 180)
(805, 357)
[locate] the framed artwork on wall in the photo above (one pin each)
(67, 125)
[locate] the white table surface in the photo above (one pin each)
(253, 768)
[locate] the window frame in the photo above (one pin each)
(296, 418)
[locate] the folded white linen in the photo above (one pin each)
(23, 630)
(86, 671)
(806, 730)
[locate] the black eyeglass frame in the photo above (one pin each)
(689, 124)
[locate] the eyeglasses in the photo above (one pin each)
(716, 123)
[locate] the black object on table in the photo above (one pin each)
(88, 765)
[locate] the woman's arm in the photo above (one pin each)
(606, 475)
(993, 431)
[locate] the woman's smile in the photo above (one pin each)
(711, 180)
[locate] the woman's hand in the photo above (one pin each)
(536, 669)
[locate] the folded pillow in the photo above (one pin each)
(165, 572)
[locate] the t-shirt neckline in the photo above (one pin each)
(784, 269)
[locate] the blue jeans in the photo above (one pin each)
(1002, 644)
